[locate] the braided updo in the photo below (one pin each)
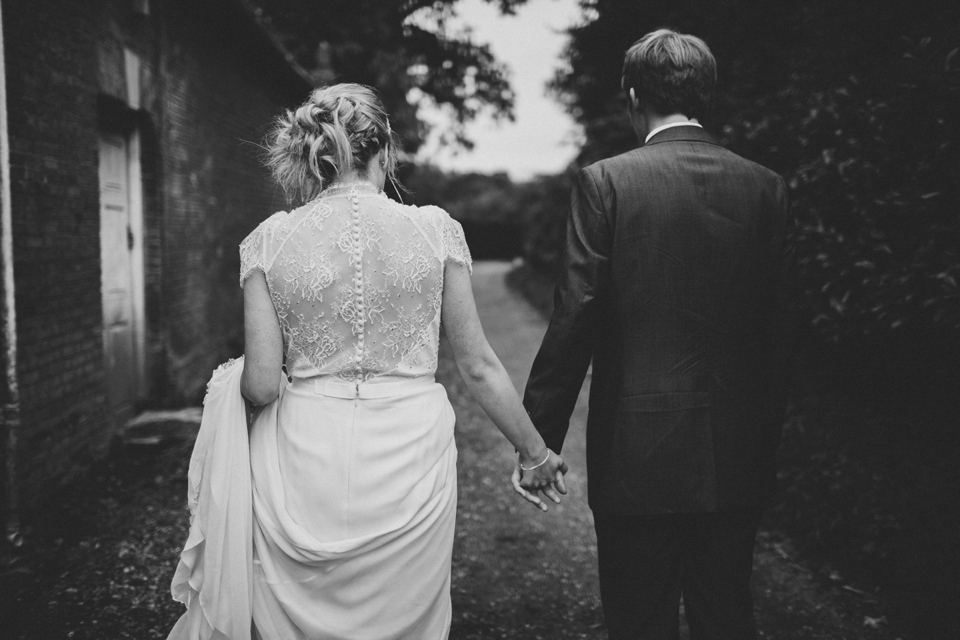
(339, 127)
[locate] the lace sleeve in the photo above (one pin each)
(454, 242)
(253, 250)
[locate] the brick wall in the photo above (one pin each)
(220, 99)
(52, 90)
(209, 83)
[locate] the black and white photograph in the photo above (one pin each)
(480, 319)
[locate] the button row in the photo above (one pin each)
(358, 282)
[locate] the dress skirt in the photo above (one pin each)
(354, 502)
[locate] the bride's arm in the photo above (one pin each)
(262, 343)
(490, 384)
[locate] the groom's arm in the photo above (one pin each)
(782, 326)
(561, 363)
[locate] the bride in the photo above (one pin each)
(352, 483)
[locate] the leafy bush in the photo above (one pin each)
(492, 208)
(547, 216)
(869, 486)
(875, 177)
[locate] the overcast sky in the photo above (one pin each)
(542, 139)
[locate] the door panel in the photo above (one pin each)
(116, 278)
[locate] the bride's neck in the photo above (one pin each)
(350, 177)
(374, 174)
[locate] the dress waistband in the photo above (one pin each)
(336, 388)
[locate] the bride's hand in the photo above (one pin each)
(546, 477)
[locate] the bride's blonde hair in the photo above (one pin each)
(339, 127)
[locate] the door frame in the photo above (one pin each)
(135, 196)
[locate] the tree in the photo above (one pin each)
(401, 47)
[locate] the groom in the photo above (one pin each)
(671, 281)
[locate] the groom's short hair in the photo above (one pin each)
(671, 73)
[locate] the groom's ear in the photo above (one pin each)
(634, 103)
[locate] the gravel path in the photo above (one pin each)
(517, 572)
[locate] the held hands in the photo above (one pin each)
(546, 475)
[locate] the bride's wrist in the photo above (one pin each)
(534, 456)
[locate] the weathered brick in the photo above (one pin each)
(210, 83)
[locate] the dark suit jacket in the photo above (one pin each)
(672, 284)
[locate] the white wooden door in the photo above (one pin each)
(117, 277)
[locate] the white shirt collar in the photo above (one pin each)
(667, 126)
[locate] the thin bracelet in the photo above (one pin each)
(522, 468)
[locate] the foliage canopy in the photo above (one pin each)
(402, 47)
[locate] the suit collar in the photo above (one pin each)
(681, 134)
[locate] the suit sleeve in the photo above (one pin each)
(783, 321)
(581, 292)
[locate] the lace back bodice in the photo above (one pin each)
(357, 281)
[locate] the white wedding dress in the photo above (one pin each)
(353, 468)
